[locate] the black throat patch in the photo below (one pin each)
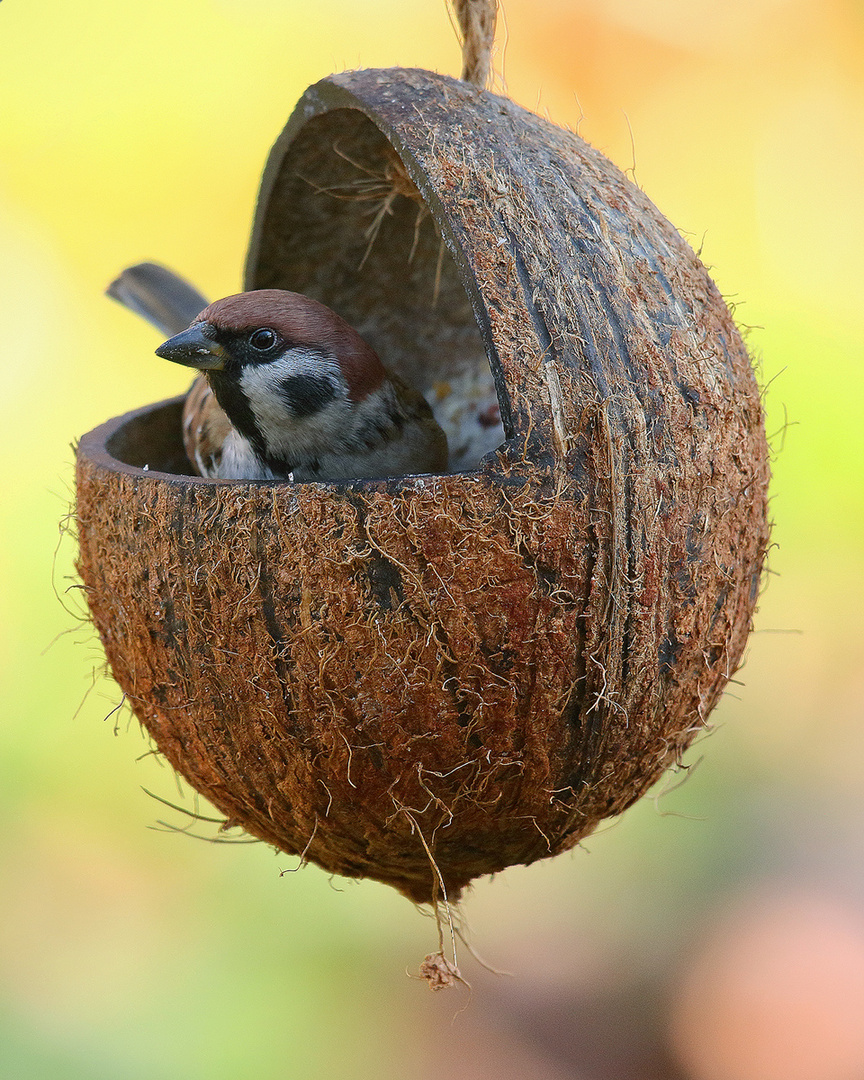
(236, 407)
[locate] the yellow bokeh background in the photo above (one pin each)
(130, 132)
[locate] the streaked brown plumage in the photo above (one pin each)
(205, 428)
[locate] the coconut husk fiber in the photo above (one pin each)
(474, 668)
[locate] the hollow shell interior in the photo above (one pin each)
(347, 225)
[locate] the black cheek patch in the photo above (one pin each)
(306, 394)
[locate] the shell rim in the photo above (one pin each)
(94, 448)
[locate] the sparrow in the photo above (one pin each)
(289, 389)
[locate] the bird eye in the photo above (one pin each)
(263, 339)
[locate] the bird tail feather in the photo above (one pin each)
(159, 295)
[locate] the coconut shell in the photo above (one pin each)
(426, 679)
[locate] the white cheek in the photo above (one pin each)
(262, 386)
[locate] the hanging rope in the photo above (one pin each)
(476, 21)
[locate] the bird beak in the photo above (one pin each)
(194, 348)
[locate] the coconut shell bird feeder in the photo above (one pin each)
(429, 678)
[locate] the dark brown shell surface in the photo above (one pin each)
(478, 667)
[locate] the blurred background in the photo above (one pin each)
(715, 932)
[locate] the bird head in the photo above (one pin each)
(287, 370)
